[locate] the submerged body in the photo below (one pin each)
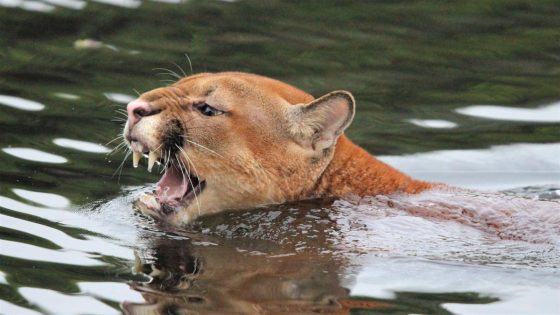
(237, 140)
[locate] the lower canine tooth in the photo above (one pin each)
(135, 158)
(151, 160)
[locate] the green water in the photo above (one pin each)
(401, 59)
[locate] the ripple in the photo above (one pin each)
(3, 278)
(18, 102)
(45, 199)
(35, 155)
(80, 145)
(519, 291)
(433, 123)
(131, 4)
(89, 244)
(501, 166)
(544, 114)
(67, 96)
(36, 253)
(55, 215)
(69, 4)
(88, 43)
(112, 291)
(57, 303)
(119, 98)
(27, 5)
(9, 308)
(533, 301)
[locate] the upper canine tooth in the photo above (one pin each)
(135, 158)
(151, 160)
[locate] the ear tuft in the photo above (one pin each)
(320, 123)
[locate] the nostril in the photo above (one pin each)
(141, 112)
(144, 110)
(138, 109)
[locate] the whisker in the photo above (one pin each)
(203, 147)
(188, 177)
(170, 72)
(166, 159)
(120, 136)
(119, 147)
(182, 71)
(168, 82)
(119, 169)
(166, 73)
(190, 63)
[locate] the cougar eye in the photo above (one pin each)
(208, 110)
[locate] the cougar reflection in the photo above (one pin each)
(281, 268)
(207, 279)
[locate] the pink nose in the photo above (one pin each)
(136, 110)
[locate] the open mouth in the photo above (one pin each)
(177, 187)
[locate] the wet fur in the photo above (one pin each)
(270, 147)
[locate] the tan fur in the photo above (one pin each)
(267, 149)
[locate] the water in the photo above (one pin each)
(465, 94)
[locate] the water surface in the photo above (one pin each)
(461, 93)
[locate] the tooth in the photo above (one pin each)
(151, 160)
(135, 158)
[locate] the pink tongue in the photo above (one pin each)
(172, 186)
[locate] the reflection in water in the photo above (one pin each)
(329, 258)
(35, 155)
(29, 5)
(81, 145)
(433, 123)
(20, 103)
(499, 167)
(9, 308)
(232, 279)
(67, 96)
(36, 253)
(45, 199)
(69, 4)
(57, 303)
(119, 98)
(3, 278)
(111, 291)
(544, 114)
(130, 4)
(389, 278)
(76, 244)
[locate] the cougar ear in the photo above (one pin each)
(318, 124)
